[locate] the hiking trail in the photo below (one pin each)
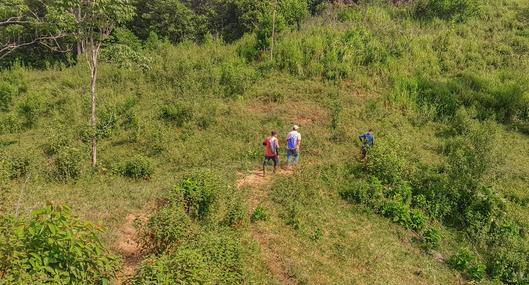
(256, 183)
(129, 247)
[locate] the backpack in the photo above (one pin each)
(292, 141)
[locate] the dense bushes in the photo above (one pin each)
(502, 97)
(466, 261)
(200, 194)
(457, 194)
(215, 258)
(458, 10)
(15, 164)
(137, 167)
(330, 54)
(192, 235)
(53, 246)
(169, 227)
(67, 164)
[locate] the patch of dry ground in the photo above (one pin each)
(129, 246)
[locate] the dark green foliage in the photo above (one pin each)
(431, 238)
(168, 227)
(403, 215)
(12, 85)
(200, 194)
(138, 167)
(15, 164)
(186, 266)
(501, 96)
(467, 262)
(361, 192)
(236, 77)
(67, 164)
(178, 114)
(30, 111)
(215, 258)
(260, 214)
(385, 163)
(236, 213)
(458, 10)
(509, 264)
(53, 246)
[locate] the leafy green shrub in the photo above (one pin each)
(57, 140)
(458, 10)
(215, 258)
(67, 164)
(178, 114)
(199, 193)
(9, 123)
(236, 213)
(7, 92)
(260, 214)
(236, 77)
(186, 266)
(431, 238)
(499, 96)
(385, 163)
(168, 227)
(509, 264)
(401, 193)
(247, 47)
(397, 212)
(224, 254)
(15, 164)
(138, 167)
(30, 110)
(53, 247)
(467, 262)
(366, 193)
(418, 220)
(401, 214)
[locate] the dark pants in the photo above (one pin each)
(274, 158)
(365, 149)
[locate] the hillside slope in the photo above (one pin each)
(441, 200)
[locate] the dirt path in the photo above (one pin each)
(276, 264)
(129, 247)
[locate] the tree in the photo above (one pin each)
(97, 20)
(294, 11)
(29, 22)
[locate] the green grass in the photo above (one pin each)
(207, 107)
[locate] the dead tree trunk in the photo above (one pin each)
(92, 54)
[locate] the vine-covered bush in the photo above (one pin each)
(53, 247)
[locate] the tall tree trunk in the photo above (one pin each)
(273, 34)
(94, 50)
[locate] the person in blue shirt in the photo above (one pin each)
(368, 141)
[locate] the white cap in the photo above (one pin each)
(295, 127)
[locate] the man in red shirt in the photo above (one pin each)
(271, 144)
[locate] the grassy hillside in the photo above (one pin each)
(441, 200)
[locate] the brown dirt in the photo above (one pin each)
(129, 247)
(256, 182)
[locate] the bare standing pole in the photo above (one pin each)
(273, 31)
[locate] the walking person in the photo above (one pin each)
(293, 146)
(271, 144)
(368, 141)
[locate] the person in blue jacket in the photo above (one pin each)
(368, 141)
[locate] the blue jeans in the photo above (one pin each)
(294, 155)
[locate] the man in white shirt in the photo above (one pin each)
(293, 146)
